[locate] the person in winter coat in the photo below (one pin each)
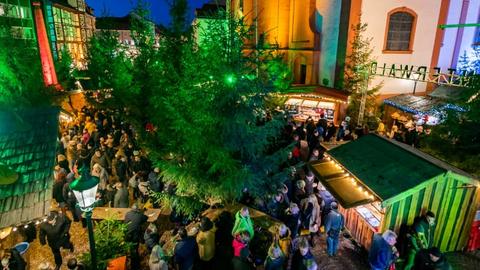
(157, 259)
(101, 173)
(186, 250)
(311, 215)
(382, 253)
(431, 259)
(11, 259)
(56, 232)
(100, 159)
(275, 259)
(154, 180)
(135, 220)
(63, 163)
(303, 258)
(120, 200)
(284, 240)
(70, 199)
(243, 223)
(57, 189)
(151, 236)
(334, 223)
(206, 243)
(292, 219)
(277, 206)
(241, 253)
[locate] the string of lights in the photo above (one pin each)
(25, 225)
(355, 182)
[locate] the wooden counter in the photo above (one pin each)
(119, 213)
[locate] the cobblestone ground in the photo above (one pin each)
(349, 255)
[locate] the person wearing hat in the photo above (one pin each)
(206, 243)
(431, 259)
(334, 223)
(56, 231)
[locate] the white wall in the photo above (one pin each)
(450, 34)
(328, 12)
(374, 12)
(469, 32)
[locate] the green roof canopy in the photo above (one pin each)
(386, 167)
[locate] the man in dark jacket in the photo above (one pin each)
(382, 252)
(135, 220)
(186, 250)
(431, 259)
(56, 232)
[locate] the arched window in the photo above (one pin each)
(401, 24)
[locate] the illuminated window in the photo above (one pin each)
(400, 30)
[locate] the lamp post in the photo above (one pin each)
(85, 190)
(365, 72)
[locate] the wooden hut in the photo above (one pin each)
(27, 156)
(382, 184)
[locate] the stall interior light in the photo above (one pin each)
(14, 229)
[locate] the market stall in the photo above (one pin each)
(422, 110)
(321, 101)
(381, 184)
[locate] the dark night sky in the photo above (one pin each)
(158, 8)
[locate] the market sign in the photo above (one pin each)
(450, 76)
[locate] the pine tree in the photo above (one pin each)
(21, 81)
(206, 104)
(474, 62)
(463, 65)
(358, 63)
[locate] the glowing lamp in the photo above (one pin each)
(85, 189)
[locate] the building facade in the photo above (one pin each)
(18, 15)
(316, 36)
(70, 24)
(123, 27)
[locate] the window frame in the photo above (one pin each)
(412, 32)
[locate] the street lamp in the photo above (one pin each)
(416, 76)
(85, 190)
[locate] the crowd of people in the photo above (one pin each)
(100, 143)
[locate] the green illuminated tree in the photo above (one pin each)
(356, 72)
(21, 81)
(207, 104)
(457, 139)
